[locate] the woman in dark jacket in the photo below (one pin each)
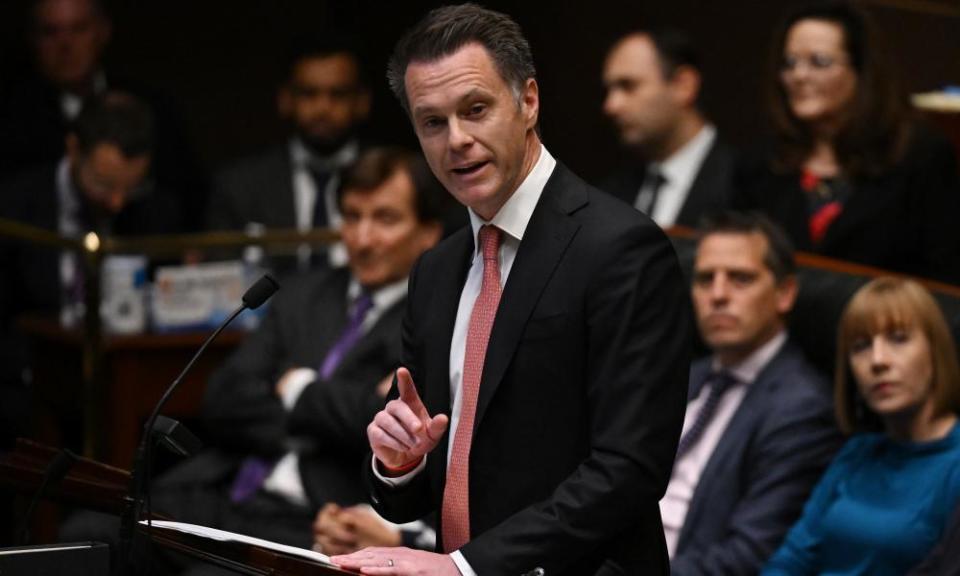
(850, 174)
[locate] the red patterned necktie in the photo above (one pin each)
(456, 505)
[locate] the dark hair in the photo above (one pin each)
(875, 132)
(324, 44)
(447, 29)
(377, 165)
(675, 48)
(779, 254)
(115, 118)
(96, 6)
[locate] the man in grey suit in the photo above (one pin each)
(681, 170)
(293, 185)
(759, 428)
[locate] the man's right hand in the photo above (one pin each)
(403, 432)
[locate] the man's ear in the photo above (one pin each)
(787, 290)
(530, 103)
(685, 85)
(363, 104)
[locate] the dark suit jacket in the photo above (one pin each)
(256, 189)
(33, 129)
(582, 394)
(244, 416)
(711, 191)
(31, 272)
(756, 481)
(903, 220)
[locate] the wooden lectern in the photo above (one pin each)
(100, 487)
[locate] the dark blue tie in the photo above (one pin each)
(717, 383)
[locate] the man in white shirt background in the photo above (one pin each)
(680, 169)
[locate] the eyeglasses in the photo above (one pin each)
(816, 62)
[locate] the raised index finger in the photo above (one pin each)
(409, 395)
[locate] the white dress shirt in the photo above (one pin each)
(679, 172)
(512, 219)
(306, 195)
(688, 468)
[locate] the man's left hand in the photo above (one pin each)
(398, 562)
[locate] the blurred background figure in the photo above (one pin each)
(325, 101)
(886, 499)
(758, 430)
(681, 169)
(101, 185)
(68, 39)
(286, 415)
(850, 173)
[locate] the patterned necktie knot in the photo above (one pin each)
(489, 242)
(716, 385)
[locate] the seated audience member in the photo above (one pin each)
(850, 174)
(68, 39)
(294, 184)
(889, 494)
(342, 530)
(287, 414)
(288, 411)
(758, 430)
(99, 186)
(681, 170)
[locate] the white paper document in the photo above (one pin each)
(224, 536)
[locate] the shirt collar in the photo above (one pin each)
(681, 168)
(515, 214)
(383, 297)
(302, 157)
(68, 199)
(748, 370)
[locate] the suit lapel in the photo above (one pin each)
(546, 239)
(733, 442)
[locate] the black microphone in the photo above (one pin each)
(253, 298)
(260, 292)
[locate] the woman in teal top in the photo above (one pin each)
(884, 502)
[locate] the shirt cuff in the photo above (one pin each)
(462, 565)
(297, 380)
(398, 481)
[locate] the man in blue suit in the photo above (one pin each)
(758, 429)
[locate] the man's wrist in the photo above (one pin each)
(397, 471)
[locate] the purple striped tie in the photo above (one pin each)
(349, 337)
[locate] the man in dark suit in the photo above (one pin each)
(98, 186)
(682, 169)
(287, 411)
(759, 426)
(68, 39)
(293, 185)
(549, 337)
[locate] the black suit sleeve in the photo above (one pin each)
(240, 409)
(337, 411)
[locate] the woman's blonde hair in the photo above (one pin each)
(886, 303)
